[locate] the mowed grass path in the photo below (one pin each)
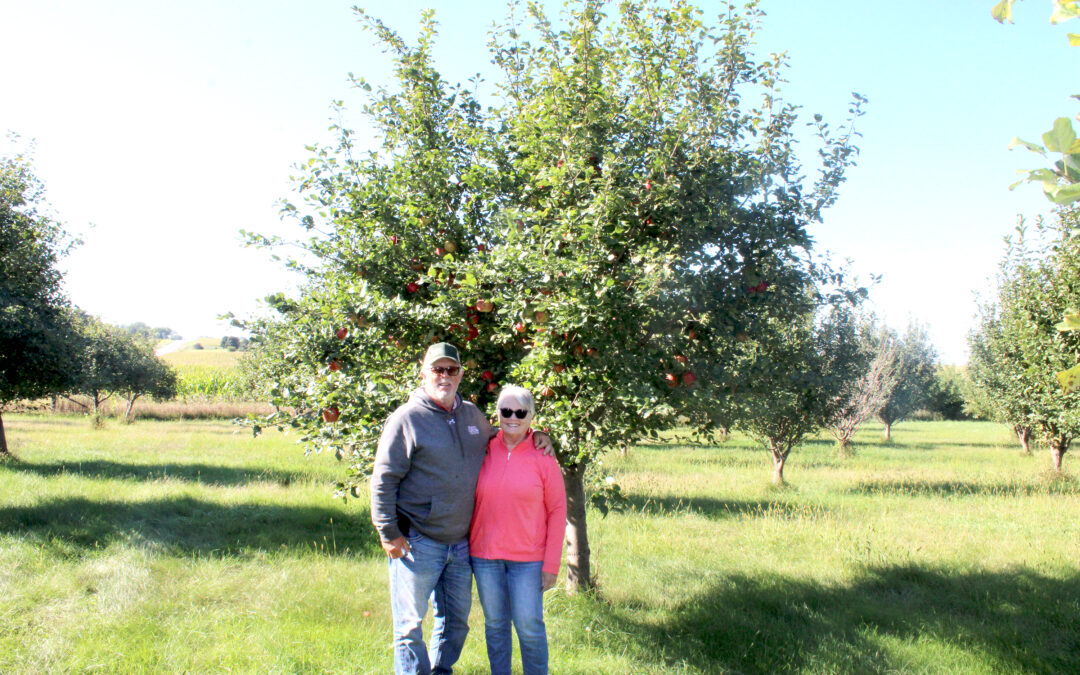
(191, 547)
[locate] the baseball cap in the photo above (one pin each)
(441, 350)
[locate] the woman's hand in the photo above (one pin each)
(547, 581)
(543, 444)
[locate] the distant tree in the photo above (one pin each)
(100, 370)
(36, 338)
(997, 378)
(863, 397)
(914, 378)
(818, 358)
(946, 397)
(144, 374)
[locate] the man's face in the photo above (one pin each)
(441, 386)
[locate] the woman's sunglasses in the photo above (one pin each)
(509, 412)
(446, 370)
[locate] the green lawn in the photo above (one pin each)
(191, 547)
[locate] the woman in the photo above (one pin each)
(516, 536)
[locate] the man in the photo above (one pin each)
(422, 493)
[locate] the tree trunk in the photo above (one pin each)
(578, 576)
(888, 431)
(843, 446)
(1024, 435)
(1057, 452)
(723, 432)
(3, 439)
(130, 405)
(778, 458)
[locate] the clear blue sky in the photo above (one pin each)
(164, 128)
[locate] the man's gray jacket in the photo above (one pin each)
(426, 468)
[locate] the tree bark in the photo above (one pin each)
(1057, 453)
(578, 574)
(888, 431)
(130, 405)
(778, 458)
(1024, 435)
(3, 438)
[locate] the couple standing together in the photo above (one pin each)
(452, 500)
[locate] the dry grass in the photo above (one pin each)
(219, 358)
(147, 409)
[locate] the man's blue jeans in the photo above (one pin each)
(512, 591)
(442, 573)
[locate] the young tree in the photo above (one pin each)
(144, 374)
(35, 336)
(863, 397)
(598, 238)
(998, 378)
(914, 377)
(1040, 278)
(819, 357)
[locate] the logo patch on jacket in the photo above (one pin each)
(473, 430)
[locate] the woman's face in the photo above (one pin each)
(509, 422)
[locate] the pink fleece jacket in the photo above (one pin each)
(520, 511)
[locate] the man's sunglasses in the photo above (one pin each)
(446, 370)
(509, 412)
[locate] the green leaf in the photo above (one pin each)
(1064, 194)
(1070, 379)
(1070, 321)
(1061, 137)
(1030, 146)
(1074, 40)
(1002, 11)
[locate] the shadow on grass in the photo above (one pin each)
(718, 508)
(1063, 485)
(186, 526)
(207, 474)
(1016, 621)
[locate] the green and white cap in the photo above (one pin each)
(441, 350)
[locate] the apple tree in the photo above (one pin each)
(864, 396)
(606, 236)
(915, 368)
(802, 376)
(997, 376)
(36, 346)
(1039, 278)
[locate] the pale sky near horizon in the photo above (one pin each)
(161, 130)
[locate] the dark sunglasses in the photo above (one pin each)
(446, 370)
(509, 412)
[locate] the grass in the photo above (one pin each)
(189, 547)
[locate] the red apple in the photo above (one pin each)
(491, 387)
(681, 359)
(591, 352)
(541, 317)
(473, 333)
(544, 290)
(481, 248)
(487, 376)
(578, 350)
(484, 305)
(688, 378)
(472, 318)
(331, 414)
(393, 240)
(341, 333)
(335, 365)
(672, 379)
(558, 367)
(519, 327)
(692, 334)
(453, 326)
(547, 392)
(440, 252)
(648, 185)
(763, 286)
(412, 287)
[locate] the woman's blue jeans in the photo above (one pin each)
(440, 572)
(512, 592)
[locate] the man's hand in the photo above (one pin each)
(543, 443)
(547, 581)
(397, 548)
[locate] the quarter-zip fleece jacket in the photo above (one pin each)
(520, 509)
(426, 467)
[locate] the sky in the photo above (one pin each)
(162, 129)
